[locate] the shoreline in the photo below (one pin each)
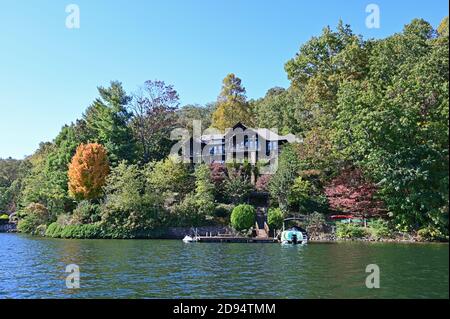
(178, 233)
(248, 240)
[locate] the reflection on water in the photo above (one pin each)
(34, 268)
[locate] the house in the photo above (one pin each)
(239, 144)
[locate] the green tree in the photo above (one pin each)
(130, 206)
(32, 217)
(443, 27)
(281, 109)
(170, 175)
(188, 113)
(281, 182)
(204, 187)
(275, 218)
(46, 182)
(12, 175)
(394, 124)
(237, 188)
(197, 206)
(324, 62)
(107, 122)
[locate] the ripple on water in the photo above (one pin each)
(35, 268)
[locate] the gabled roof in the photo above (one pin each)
(263, 132)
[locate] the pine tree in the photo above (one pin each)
(232, 105)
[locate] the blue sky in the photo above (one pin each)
(49, 74)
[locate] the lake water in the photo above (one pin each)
(33, 267)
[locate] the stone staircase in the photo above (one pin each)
(262, 230)
(261, 233)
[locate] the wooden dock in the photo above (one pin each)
(229, 239)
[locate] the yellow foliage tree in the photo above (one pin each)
(88, 171)
(232, 105)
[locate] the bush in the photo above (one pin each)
(54, 230)
(191, 212)
(28, 224)
(4, 217)
(129, 203)
(316, 223)
(93, 231)
(275, 218)
(86, 213)
(348, 231)
(243, 217)
(32, 217)
(64, 219)
(379, 228)
(82, 231)
(74, 231)
(237, 188)
(223, 210)
(431, 233)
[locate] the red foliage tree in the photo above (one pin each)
(351, 192)
(262, 183)
(218, 173)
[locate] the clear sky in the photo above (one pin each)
(49, 73)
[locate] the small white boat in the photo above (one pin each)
(293, 236)
(191, 239)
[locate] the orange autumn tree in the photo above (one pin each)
(88, 171)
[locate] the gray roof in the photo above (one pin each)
(263, 132)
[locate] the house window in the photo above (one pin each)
(275, 145)
(218, 149)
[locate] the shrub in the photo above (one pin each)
(86, 213)
(315, 223)
(33, 216)
(192, 211)
(275, 218)
(238, 188)
(129, 204)
(223, 210)
(96, 230)
(169, 175)
(379, 228)
(64, 219)
(82, 231)
(243, 217)
(4, 217)
(348, 231)
(431, 233)
(74, 231)
(54, 230)
(28, 224)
